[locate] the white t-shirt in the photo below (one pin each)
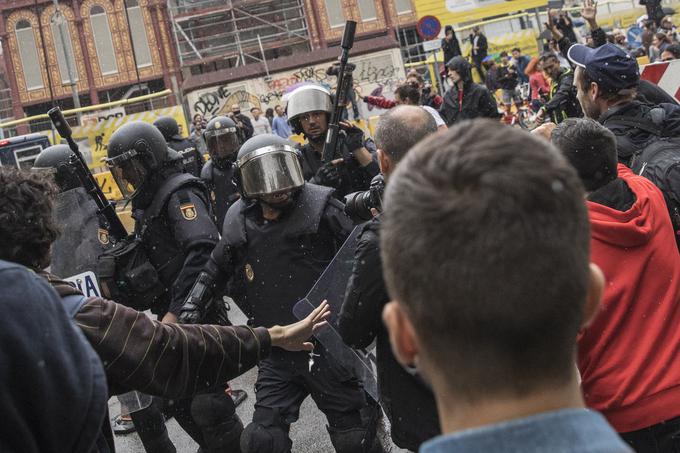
(261, 126)
(435, 114)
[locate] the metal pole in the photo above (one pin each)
(67, 57)
(264, 60)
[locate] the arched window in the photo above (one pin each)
(28, 51)
(59, 25)
(102, 40)
(138, 32)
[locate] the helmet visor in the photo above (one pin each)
(222, 143)
(128, 173)
(270, 172)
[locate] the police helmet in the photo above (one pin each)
(168, 127)
(57, 161)
(135, 151)
(304, 100)
(268, 164)
(223, 139)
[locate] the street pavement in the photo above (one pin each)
(309, 434)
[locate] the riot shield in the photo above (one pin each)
(81, 240)
(331, 286)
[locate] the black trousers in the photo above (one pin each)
(663, 437)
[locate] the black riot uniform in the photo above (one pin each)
(271, 263)
(191, 157)
(223, 140)
(83, 236)
(173, 221)
(347, 177)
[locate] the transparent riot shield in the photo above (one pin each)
(133, 401)
(331, 286)
(81, 240)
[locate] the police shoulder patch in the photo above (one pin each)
(188, 211)
(103, 236)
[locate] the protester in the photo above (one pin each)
(508, 81)
(408, 95)
(671, 53)
(521, 62)
(648, 32)
(492, 70)
(660, 42)
(280, 125)
(628, 353)
(466, 99)
(427, 96)
(269, 114)
(485, 252)
(538, 85)
(669, 29)
(242, 121)
(480, 48)
(408, 403)
(562, 103)
(450, 44)
(197, 126)
(52, 385)
(260, 123)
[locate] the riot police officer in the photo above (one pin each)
(191, 157)
(174, 225)
(83, 236)
(354, 163)
(223, 139)
(277, 240)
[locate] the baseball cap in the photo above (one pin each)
(609, 66)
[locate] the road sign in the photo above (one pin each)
(428, 27)
(432, 46)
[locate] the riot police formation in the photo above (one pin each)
(175, 233)
(277, 240)
(83, 237)
(191, 157)
(354, 163)
(223, 139)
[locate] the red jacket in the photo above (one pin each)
(629, 356)
(380, 101)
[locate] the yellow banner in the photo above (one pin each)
(450, 12)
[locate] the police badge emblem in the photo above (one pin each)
(103, 236)
(250, 275)
(188, 211)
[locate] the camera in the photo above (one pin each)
(358, 205)
(334, 69)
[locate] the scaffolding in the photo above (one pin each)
(238, 32)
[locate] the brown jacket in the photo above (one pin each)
(168, 360)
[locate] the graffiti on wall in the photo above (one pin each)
(377, 72)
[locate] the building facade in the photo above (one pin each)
(108, 49)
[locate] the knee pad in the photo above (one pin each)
(268, 433)
(354, 440)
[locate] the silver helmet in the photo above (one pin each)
(307, 99)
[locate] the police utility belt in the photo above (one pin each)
(126, 274)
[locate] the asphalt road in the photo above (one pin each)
(308, 434)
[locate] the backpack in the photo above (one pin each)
(126, 274)
(659, 161)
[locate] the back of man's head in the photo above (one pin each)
(401, 128)
(485, 245)
(590, 148)
(408, 94)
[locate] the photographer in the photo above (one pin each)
(406, 400)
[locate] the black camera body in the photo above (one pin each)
(358, 205)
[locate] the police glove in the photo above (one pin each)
(198, 301)
(327, 175)
(354, 138)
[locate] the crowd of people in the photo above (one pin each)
(521, 288)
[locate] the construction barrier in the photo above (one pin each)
(665, 75)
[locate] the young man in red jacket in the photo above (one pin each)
(628, 355)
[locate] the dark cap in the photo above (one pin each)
(609, 66)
